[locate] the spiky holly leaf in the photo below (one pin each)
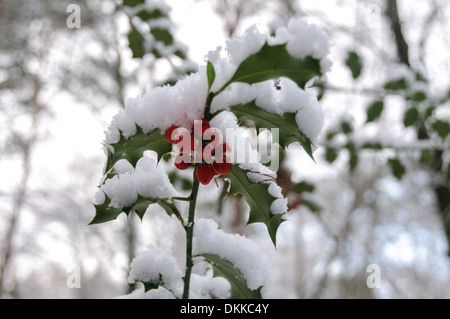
(104, 212)
(272, 62)
(132, 149)
(257, 197)
(239, 288)
(285, 123)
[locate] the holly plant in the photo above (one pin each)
(202, 122)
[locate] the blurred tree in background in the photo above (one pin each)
(377, 194)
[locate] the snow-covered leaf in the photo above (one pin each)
(272, 62)
(225, 269)
(142, 203)
(257, 197)
(286, 123)
(105, 213)
(132, 149)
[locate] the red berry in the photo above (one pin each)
(222, 168)
(181, 162)
(207, 151)
(169, 132)
(222, 151)
(209, 143)
(200, 126)
(187, 142)
(205, 173)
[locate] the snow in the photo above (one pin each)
(122, 166)
(124, 123)
(121, 191)
(288, 99)
(158, 266)
(164, 106)
(302, 40)
(243, 253)
(240, 48)
(207, 286)
(235, 94)
(148, 179)
(154, 262)
(151, 180)
(224, 120)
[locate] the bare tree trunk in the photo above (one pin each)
(20, 198)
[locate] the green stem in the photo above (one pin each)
(189, 235)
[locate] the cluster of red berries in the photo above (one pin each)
(201, 147)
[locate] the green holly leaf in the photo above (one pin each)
(132, 3)
(331, 154)
(132, 149)
(286, 124)
(398, 169)
(104, 213)
(441, 128)
(257, 197)
(374, 111)
(272, 62)
(211, 74)
(153, 285)
(162, 35)
(396, 85)
(225, 269)
(410, 117)
(136, 44)
(146, 15)
(142, 203)
(418, 96)
(303, 187)
(354, 63)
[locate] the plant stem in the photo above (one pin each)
(189, 234)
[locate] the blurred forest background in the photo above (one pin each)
(377, 194)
